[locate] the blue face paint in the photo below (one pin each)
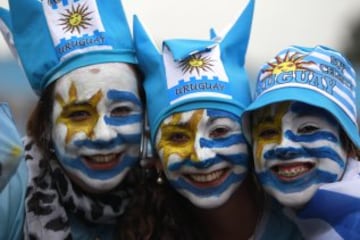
(210, 159)
(299, 152)
(98, 142)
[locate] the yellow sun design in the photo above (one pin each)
(197, 63)
(76, 18)
(288, 63)
(73, 105)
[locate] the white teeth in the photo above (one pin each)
(102, 158)
(292, 172)
(209, 177)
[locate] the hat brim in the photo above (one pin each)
(306, 96)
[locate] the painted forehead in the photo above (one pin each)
(182, 118)
(276, 111)
(107, 78)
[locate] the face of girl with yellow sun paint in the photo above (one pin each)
(204, 155)
(97, 121)
(297, 148)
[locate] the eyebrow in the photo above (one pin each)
(267, 119)
(117, 95)
(179, 125)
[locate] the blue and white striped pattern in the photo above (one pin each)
(318, 76)
(328, 74)
(334, 211)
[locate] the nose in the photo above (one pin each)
(287, 149)
(286, 153)
(103, 131)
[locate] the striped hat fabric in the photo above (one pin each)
(195, 74)
(318, 76)
(54, 37)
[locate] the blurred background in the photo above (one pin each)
(277, 24)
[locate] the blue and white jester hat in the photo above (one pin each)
(195, 74)
(54, 37)
(318, 76)
(11, 147)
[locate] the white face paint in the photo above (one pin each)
(204, 155)
(97, 121)
(297, 148)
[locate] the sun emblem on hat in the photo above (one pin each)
(76, 19)
(196, 62)
(290, 62)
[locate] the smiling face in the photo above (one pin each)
(296, 148)
(204, 155)
(97, 121)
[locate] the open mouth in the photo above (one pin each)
(292, 171)
(210, 179)
(102, 162)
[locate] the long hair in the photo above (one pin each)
(39, 125)
(158, 212)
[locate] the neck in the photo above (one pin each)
(235, 219)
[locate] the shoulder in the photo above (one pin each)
(275, 223)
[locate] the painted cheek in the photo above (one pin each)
(275, 126)
(183, 150)
(260, 145)
(78, 117)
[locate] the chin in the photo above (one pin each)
(209, 202)
(295, 199)
(98, 185)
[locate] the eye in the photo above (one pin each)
(268, 133)
(219, 132)
(78, 116)
(178, 138)
(120, 111)
(308, 129)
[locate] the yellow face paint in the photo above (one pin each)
(266, 128)
(178, 137)
(78, 116)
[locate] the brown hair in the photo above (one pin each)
(158, 212)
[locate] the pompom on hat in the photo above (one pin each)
(318, 76)
(53, 37)
(195, 74)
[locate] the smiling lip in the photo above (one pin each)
(102, 162)
(292, 171)
(211, 179)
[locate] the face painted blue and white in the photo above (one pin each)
(297, 148)
(97, 121)
(204, 155)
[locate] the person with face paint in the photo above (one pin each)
(305, 138)
(196, 91)
(84, 133)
